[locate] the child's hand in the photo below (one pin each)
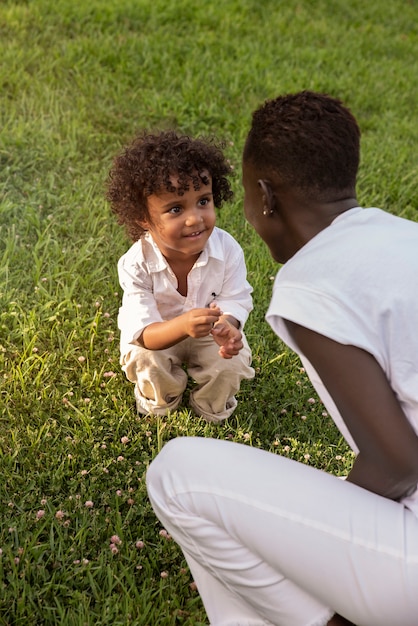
(199, 322)
(228, 338)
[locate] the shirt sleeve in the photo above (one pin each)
(316, 312)
(235, 298)
(139, 307)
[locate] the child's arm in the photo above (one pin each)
(193, 323)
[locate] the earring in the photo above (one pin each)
(267, 211)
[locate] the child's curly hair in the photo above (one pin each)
(146, 166)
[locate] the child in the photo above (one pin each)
(185, 293)
(276, 541)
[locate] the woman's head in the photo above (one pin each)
(148, 165)
(306, 140)
(299, 169)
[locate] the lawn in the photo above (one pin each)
(79, 542)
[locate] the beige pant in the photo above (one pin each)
(160, 379)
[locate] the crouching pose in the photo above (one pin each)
(270, 540)
(185, 293)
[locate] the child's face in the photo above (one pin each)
(181, 225)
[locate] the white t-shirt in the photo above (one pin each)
(356, 282)
(150, 286)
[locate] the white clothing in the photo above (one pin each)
(150, 295)
(342, 285)
(273, 541)
(150, 286)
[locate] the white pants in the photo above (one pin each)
(273, 541)
(160, 379)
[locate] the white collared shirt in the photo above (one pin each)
(150, 286)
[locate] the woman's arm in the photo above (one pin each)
(387, 463)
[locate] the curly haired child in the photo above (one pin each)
(185, 292)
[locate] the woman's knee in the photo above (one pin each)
(167, 459)
(178, 462)
(168, 472)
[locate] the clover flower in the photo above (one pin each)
(164, 533)
(116, 539)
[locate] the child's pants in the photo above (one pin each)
(273, 541)
(160, 379)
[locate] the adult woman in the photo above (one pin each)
(269, 540)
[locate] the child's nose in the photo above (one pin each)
(194, 216)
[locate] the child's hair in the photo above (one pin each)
(309, 140)
(146, 166)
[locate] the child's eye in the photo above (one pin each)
(175, 210)
(204, 201)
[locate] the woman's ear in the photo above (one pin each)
(267, 196)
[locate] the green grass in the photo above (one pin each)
(77, 80)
